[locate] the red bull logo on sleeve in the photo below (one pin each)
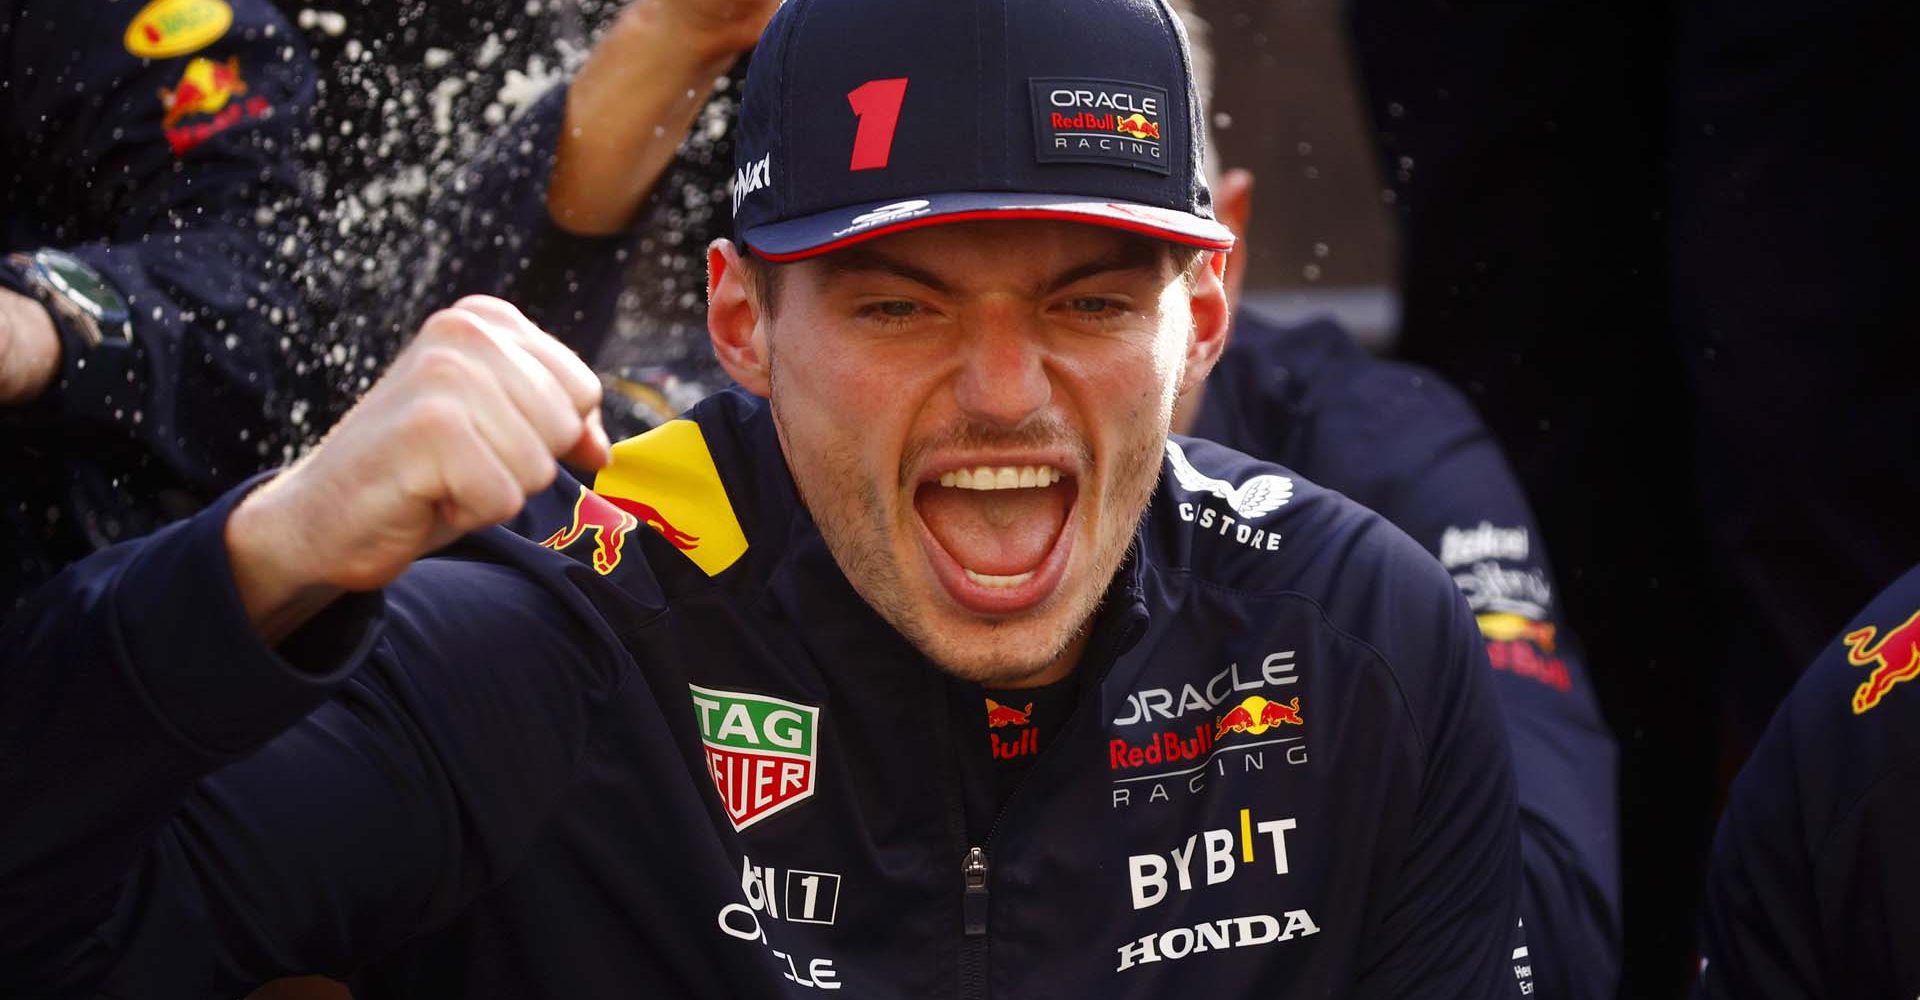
(652, 518)
(608, 524)
(667, 480)
(213, 91)
(1256, 715)
(1894, 657)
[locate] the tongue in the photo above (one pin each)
(995, 532)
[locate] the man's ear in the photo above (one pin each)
(1212, 319)
(1233, 205)
(734, 323)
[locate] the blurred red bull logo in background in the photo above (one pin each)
(1894, 657)
(1256, 715)
(207, 88)
(1509, 627)
(608, 524)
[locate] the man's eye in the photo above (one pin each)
(891, 309)
(1092, 304)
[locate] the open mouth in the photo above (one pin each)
(996, 533)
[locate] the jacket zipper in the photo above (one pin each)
(974, 865)
(973, 901)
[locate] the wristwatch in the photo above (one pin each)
(86, 308)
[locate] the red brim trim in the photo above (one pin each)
(992, 215)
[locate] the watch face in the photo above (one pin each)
(83, 286)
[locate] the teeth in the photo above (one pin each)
(1004, 477)
(999, 582)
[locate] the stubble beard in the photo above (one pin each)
(858, 538)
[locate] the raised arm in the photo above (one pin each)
(227, 755)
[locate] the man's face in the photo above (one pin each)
(974, 414)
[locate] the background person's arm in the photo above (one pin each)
(172, 175)
(543, 215)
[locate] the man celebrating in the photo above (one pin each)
(736, 728)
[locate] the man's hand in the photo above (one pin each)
(453, 438)
(631, 104)
(29, 349)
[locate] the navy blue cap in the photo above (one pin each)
(867, 117)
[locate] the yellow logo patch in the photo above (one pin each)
(666, 478)
(1505, 626)
(167, 28)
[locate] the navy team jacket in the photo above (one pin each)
(1404, 443)
(671, 752)
(154, 141)
(1813, 887)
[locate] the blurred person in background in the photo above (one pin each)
(146, 303)
(1662, 249)
(1403, 442)
(1813, 889)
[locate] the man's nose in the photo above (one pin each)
(1003, 380)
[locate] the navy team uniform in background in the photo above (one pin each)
(1813, 889)
(1398, 439)
(673, 753)
(155, 145)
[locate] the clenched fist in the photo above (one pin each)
(453, 438)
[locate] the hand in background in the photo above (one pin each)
(632, 103)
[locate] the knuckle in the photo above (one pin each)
(502, 500)
(560, 431)
(486, 305)
(539, 475)
(436, 416)
(445, 364)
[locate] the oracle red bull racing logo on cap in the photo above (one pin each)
(1894, 657)
(1099, 121)
(760, 751)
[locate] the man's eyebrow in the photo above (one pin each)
(864, 260)
(1141, 256)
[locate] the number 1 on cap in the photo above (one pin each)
(877, 104)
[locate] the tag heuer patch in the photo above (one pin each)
(760, 751)
(1099, 121)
